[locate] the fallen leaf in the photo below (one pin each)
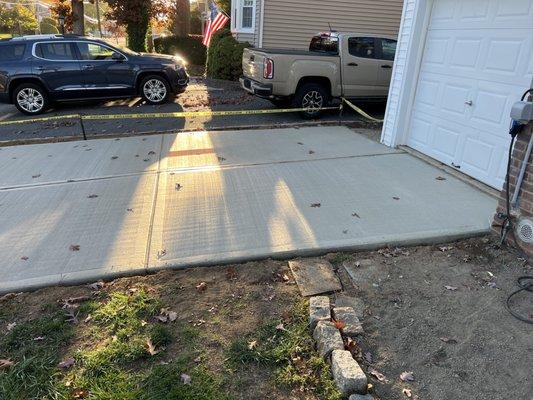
(311, 152)
(253, 344)
(452, 288)
(354, 214)
(24, 258)
(339, 324)
(74, 247)
(440, 178)
(201, 287)
(73, 301)
(151, 153)
(315, 205)
(445, 248)
(231, 273)
(8, 296)
(407, 392)
(407, 376)
(71, 316)
(185, 379)
(5, 364)
(96, 285)
(280, 327)
(165, 315)
(114, 157)
(178, 186)
(11, 326)
(36, 176)
(448, 340)
(129, 209)
(69, 362)
(92, 196)
(151, 348)
(396, 198)
(353, 347)
(79, 393)
(378, 375)
(368, 357)
(38, 339)
(285, 278)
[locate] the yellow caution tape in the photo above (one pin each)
(358, 110)
(182, 114)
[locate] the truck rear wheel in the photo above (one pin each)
(313, 97)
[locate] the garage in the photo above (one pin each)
(452, 91)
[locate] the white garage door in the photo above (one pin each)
(478, 60)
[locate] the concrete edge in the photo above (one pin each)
(455, 173)
(303, 124)
(83, 277)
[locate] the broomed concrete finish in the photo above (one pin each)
(243, 195)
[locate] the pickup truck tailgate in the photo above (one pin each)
(252, 64)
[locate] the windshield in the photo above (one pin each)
(325, 44)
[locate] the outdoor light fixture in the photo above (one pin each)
(61, 20)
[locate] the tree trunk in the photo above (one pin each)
(78, 14)
(182, 18)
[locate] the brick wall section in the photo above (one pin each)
(525, 199)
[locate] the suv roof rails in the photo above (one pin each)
(40, 37)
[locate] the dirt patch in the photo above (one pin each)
(439, 311)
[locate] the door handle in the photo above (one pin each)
(88, 66)
(386, 66)
(352, 64)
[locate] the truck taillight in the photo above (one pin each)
(268, 68)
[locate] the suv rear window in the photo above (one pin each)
(324, 44)
(12, 52)
(54, 51)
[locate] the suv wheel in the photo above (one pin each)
(30, 99)
(313, 97)
(155, 89)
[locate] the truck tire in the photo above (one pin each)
(313, 97)
(31, 99)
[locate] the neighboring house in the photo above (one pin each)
(460, 65)
(292, 23)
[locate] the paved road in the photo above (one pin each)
(83, 210)
(201, 95)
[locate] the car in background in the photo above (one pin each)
(349, 65)
(37, 71)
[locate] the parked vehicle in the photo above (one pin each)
(350, 65)
(36, 71)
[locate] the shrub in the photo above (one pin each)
(225, 56)
(48, 29)
(190, 48)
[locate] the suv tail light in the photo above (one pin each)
(268, 68)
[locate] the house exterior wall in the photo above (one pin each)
(251, 37)
(525, 199)
(292, 23)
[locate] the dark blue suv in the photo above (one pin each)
(36, 71)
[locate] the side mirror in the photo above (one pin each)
(117, 57)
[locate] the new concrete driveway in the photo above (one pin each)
(79, 211)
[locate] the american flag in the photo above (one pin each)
(215, 22)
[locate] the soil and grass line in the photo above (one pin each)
(130, 343)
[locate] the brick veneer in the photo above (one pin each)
(525, 200)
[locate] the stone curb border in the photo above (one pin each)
(328, 328)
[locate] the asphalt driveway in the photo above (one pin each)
(78, 211)
(201, 95)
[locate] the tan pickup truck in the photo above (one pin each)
(350, 65)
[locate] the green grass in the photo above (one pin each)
(33, 375)
(289, 353)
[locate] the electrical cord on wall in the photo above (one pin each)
(524, 282)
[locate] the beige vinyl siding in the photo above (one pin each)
(292, 23)
(252, 38)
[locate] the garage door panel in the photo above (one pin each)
(477, 62)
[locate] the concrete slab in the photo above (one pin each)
(314, 276)
(283, 209)
(40, 224)
(266, 196)
(39, 164)
(207, 149)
